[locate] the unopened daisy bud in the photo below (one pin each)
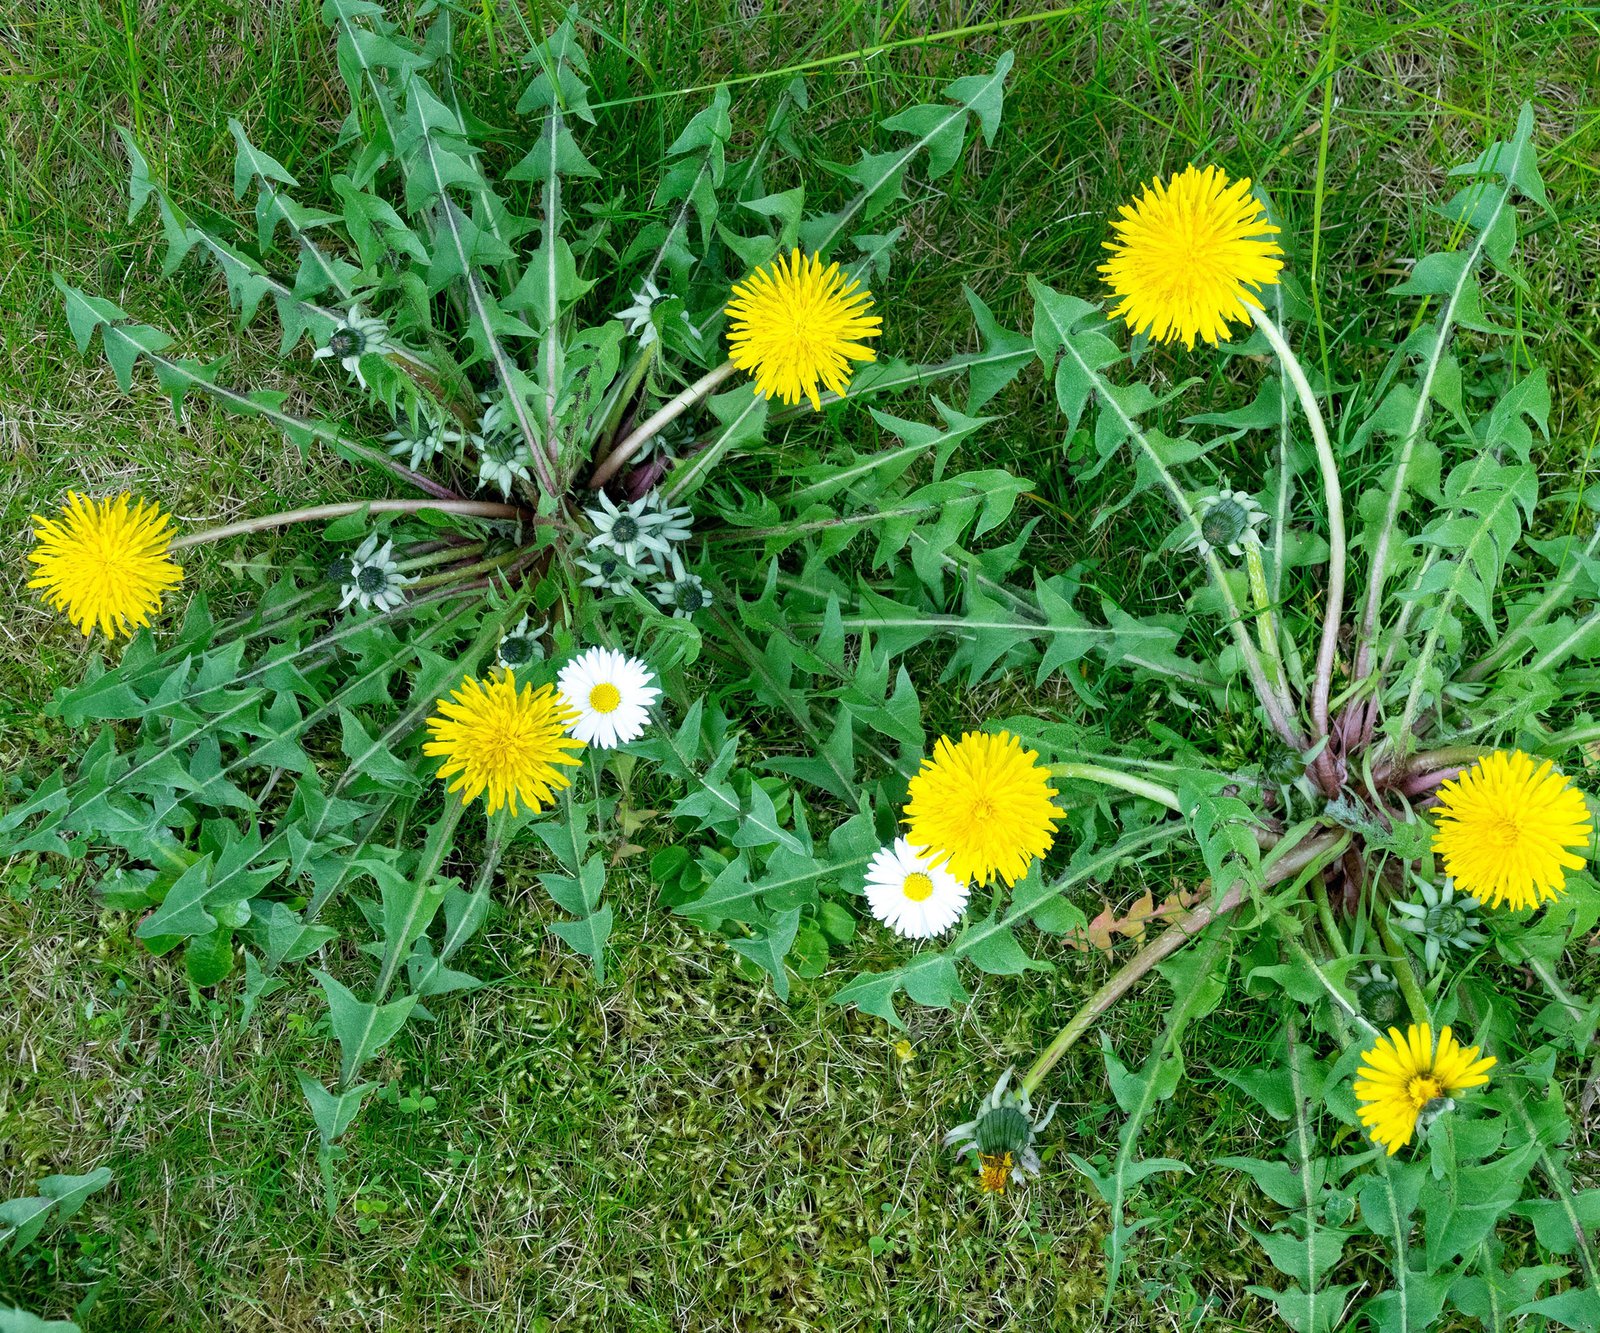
(636, 317)
(502, 463)
(1001, 1136)
(673, 524)
(421, 441)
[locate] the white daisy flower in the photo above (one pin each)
(612, 693)
(373, 578)
(357, 337)
(626, 531)
(683, 593)
(910, 896)
(637, 316)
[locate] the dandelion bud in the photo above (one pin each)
(1379, 998)
(1226, 521)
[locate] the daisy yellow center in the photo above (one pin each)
(1190, 254)
(1509, 828)
(605, 697)
(104, 562)
(798, 326)
(982, 807)
(511, 744)
(918, 887)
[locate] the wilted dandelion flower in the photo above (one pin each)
(630, 532)
(501, 461)
(910, 896)
(607, 572)
(1404, 1080)
(357, 337)
(1189, 256)
(636, 317)
(104, 562)
(797, 326)
(1508, 830)
(422, 440)
(611, 694)
(1226, 521)
(373, 578)
(1002, 1136)
(1378, 997)
(510, 743)
(521, 646)
(673, 524)
(683, 593)
(981, 807)
(1441, 920)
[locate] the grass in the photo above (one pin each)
(676, 1149)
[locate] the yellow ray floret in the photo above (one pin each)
(1189, 256)
(104, 562)
(1403, 1077)
(797, 326)
(981, 807)
(493, 737)
(1509, 829)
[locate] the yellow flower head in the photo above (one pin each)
(1506, 830)
(797, 324)
(1190, 256)
(492, 736)
(994, 1171)
(981, 807)
(104, 562)
(1404, 1077)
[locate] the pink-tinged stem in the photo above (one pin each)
(469, 508)
(670, 411)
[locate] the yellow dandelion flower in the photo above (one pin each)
(1406, 1078)
(105, 562)
(982, 807)
(1506, 830)
(1189, 256)
(994, 1171)
(797, 324)
(491, 736)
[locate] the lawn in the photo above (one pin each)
(676, 1148)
